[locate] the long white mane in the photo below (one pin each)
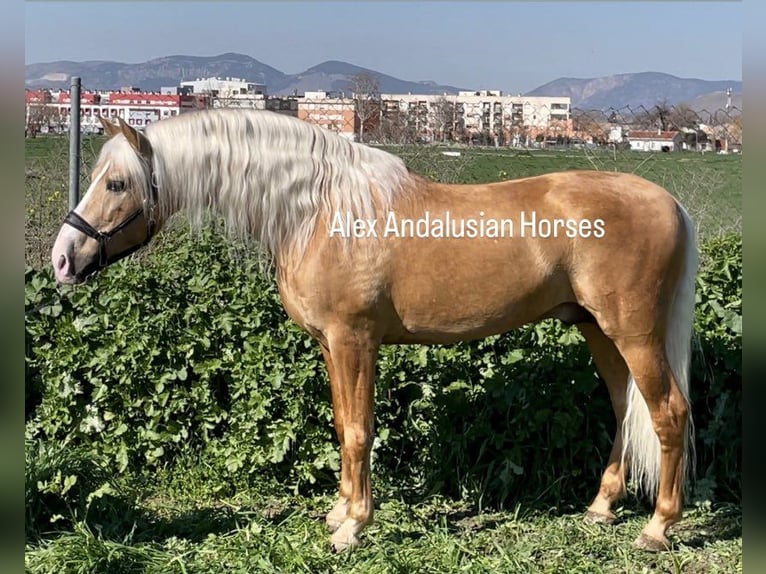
(270, 176)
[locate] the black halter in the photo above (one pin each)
(76, 220)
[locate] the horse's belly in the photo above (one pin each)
(447, 290)
(433, 328)
(446, 303)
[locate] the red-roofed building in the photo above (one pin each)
(139, 109)
(49, 111)
(655, 140)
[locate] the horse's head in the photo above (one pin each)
(116, 215)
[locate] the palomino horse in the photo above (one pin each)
(367, 253)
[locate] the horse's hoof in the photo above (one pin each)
(337, 516)
(650, 544)
(597, 518)
(345, 536)
(337, 547)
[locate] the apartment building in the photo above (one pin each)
(332, 111)
(486, 114)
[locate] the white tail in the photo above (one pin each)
(640, 443)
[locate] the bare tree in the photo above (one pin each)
(366, 94)
(683, 116)
(589, 124)
(735, 130)
(394, 127)
(663, 116)
(656, 117)
(39, 116)
(443, 117)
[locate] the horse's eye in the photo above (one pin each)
(115, 185)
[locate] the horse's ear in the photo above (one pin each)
(109, 128)
(137, 140)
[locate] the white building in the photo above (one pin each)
(223, 87)
(616, 135)
(241, 101)
(655, 140)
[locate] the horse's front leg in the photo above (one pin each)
(339, 512)
(350, 358)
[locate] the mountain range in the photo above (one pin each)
(645, 89)
(617, 91)
(171, 70)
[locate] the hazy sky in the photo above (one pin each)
(512, 46)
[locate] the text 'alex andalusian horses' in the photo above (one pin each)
(367, 253)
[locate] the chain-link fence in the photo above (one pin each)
(694, 153)
(46, 190)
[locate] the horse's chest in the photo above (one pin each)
(300, 308)
(318, 302)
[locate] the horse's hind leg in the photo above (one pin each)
(667, 420)
(612, 368)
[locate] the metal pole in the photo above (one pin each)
(74, 143)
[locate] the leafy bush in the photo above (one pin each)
(502, 417)
(190, 351)
(717, 368)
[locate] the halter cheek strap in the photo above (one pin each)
(75, 220)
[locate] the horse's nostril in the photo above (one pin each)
(61, 263)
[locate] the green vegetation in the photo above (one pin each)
(187, 529)
(177, 421)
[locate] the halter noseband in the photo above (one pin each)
(78, 222)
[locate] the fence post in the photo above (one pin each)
(74, 143)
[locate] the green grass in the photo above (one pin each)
(43, 147)
(46, 190)
(709, 185)
(183, 525)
